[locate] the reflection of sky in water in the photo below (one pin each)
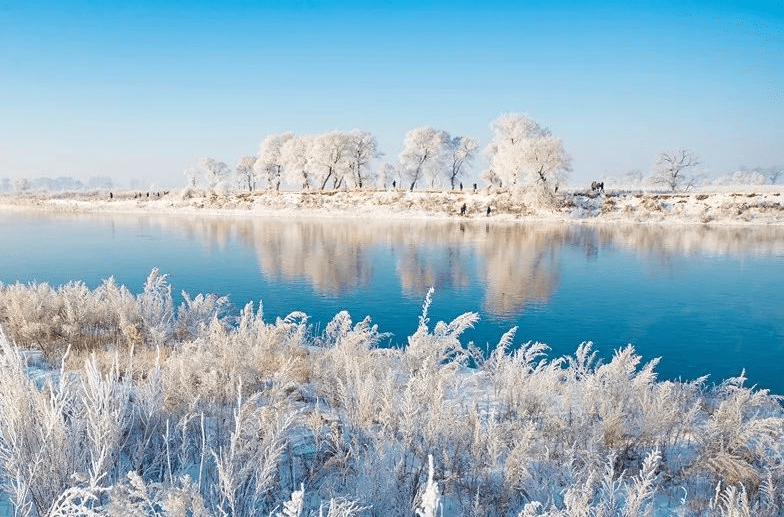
(705, 299)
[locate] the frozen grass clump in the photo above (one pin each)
(148, 409)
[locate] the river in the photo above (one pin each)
(707, 300)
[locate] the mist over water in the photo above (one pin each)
(707, 300)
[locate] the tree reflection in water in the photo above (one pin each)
(512, 265)
(668, 290)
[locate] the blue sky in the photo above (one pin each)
(144, 89)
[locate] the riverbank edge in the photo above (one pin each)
(745, 208)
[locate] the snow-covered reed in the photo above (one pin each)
(138, 408)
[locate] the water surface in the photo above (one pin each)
(708, 300)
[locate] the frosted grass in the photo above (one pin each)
(152, 409)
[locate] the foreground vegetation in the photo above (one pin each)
(113, 403)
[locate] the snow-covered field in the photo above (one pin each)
(119, 404)
(710, 205)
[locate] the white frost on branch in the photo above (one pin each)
(524, 153)
(431, 498)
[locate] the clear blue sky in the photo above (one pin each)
(143, 89)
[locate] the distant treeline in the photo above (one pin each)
(58, 184)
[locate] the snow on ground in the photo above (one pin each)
(712, 205)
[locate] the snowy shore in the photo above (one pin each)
(760, 205)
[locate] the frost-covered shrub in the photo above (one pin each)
(199, 412)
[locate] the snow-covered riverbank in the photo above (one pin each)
(714, 205)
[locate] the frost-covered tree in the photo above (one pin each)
(491, 177)
(330, 158)
(5, 185)
(269, 165)
(674, 168)
(506, 150)
(460, 152)
(774, 173)
(634, 177)
(363, 149)
(245, 175)
(296, 155)
(524, 152)
(422, 154)
(387, 173)
(547, 162)
(742, 177)
(755, 176)
(22, 185)
(192, 174)
(215, 172)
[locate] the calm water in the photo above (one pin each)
(706, 300)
